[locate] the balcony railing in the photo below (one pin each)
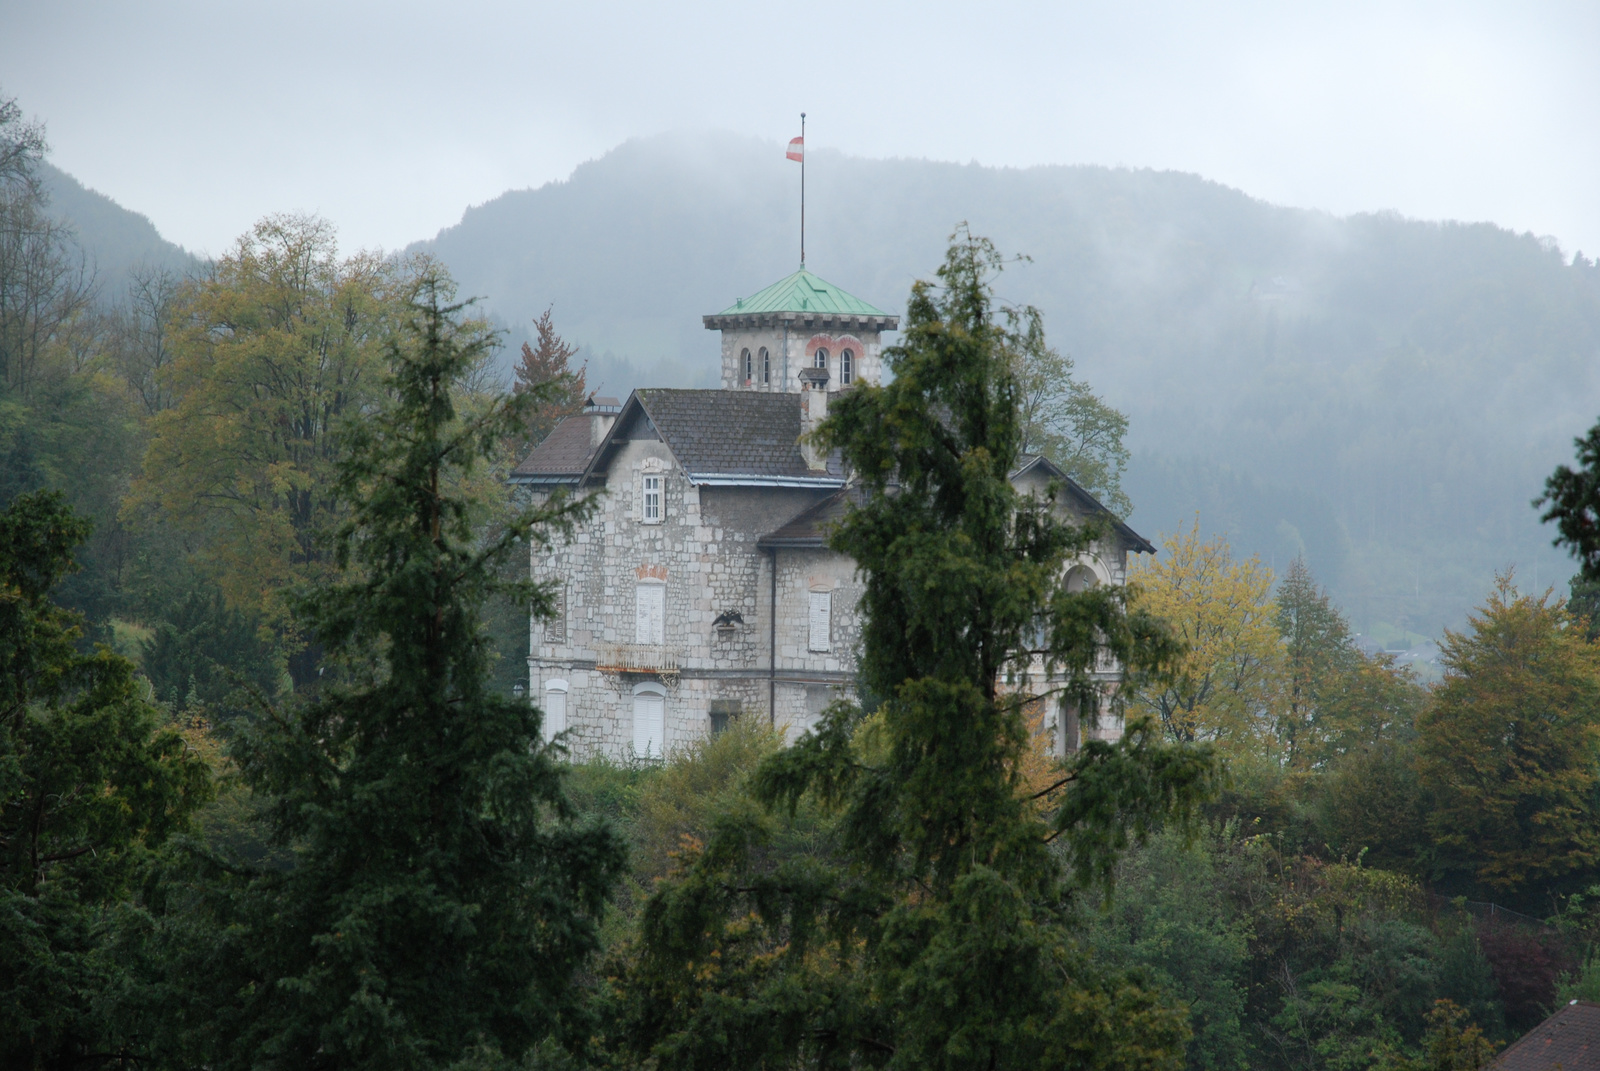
(636, 658)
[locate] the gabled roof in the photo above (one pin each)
(561, 458)
(806, 298)
(722, 437)
(1085, 501)
(809, 528)
(1568, 1040)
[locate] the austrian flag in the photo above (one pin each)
(797, 150)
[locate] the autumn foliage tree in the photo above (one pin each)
(1509, 750)
(270, 352)
(547, 369)
(1226, 685)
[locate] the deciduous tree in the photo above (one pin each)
(1063, 419)
(1227, 685)
(547, 369)
(270, 353)
(1509, 750)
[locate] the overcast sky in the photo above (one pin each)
(390, 118)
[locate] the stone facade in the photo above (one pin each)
(701, 590)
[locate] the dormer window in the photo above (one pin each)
(749, 367)
(822, 358)
(650, 507)
(847, 363)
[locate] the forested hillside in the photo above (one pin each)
(115, 240)
(1384, 394)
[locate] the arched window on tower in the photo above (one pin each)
(847, 366)
(766, 365)
(822, 358)
(749, 370)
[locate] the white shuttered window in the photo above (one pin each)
(555, 708)
(821, 620)
(650, 613)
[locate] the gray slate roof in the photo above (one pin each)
(730, 432)
(810, 527)
(561, 458)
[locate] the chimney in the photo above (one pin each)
(813, 411)
(602, 413)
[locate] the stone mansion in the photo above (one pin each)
(701, 590)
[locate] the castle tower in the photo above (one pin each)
(799, 323)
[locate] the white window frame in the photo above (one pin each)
(820, 622)
(821, 359)
(649, 720)
(847, 365)
(649, 630)
(555, 709)
(652, 499)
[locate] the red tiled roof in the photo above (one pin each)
(1567, 1041)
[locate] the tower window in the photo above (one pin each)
(847, 366)
(766, 365)
(822, 358)
(749, 370)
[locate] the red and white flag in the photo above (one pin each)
(797, 150)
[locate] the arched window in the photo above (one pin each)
(749, 369)
(822, 358)
(649, 720)
(1081, 578)
(555, 709)
(766, 365)
(847, 366)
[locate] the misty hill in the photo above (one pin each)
(1384, 394)
(115, 239)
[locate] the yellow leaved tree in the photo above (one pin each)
(272, 349)
(1226, 688)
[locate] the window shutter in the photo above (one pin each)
(649, 725)
(650, 612)
(555, 713)
(821, 619)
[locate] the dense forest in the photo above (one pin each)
(268, 799)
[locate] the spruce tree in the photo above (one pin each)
(443, 893)
(936, 930)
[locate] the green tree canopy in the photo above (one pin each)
(89, 781)
(443, 893)
(1509, 750)
(269, 353)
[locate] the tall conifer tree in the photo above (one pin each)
(443, 892)
(936, 930)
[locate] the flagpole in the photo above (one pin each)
(802, 189)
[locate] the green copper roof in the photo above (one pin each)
(802, 292)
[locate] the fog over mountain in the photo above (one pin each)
(1385, 395)
(114, 239)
